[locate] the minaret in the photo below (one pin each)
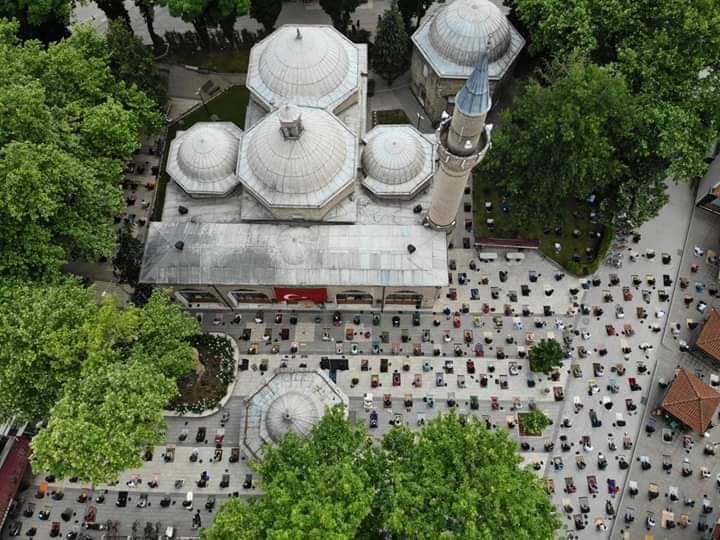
(463, 141)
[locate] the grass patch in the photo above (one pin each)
(225, 61)
(228, 106)
(201, 392)
(390, 116)
(580, 254)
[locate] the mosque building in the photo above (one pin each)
(448, 45)
(305, 208)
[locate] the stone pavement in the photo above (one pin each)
(604, 355)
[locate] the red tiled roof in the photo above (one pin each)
(709, 339)
(691, 401)
(11, 473)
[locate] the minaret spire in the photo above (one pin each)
(463, 141)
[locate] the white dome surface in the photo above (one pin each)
(397, 161)
(291, 412)
(309, 65)
(292, 400)
(462, 30)
(454, 37)
(202, 159)
(305, 172)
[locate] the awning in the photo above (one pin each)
(12, 471)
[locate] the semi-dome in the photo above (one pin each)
(310, 65)
(303, 165)
(202, 159)
(397, 161)
(455, 36)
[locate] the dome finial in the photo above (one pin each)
(290, 121)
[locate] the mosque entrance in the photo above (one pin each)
(404, 298)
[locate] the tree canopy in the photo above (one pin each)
(204, 14)
(266, 12)
(131, 61)
(340, 12)
(546, 356)
(67, 127)
(391, 49)
(45, 20)
(452, 479)
(579, 131)
(668, 52)
(103, 421)
(50, 333)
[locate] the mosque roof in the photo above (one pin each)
(454, 36)
(202, 159)
(309, 65)
(304, 172)
(397, 161)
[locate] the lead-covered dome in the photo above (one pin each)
(454, 38)
(398, 161)
(309, 65)
(202, 159)
(465, 28)
(292, 400)
(303, 165)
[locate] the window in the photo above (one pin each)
(196, 296)
(425, 70)
(249, 296)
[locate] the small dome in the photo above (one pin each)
(394, 156)
(303, 171)
(294, 412)
(398, 161)
(202, 159)
(310, 65)
(462, 30)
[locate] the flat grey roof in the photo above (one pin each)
(275, 254)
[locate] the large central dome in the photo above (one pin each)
(310, 65)
(305, 171)
(462, 30)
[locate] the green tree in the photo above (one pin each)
(667, 51)
(340, 12)
(413, 8)
(392, 46)
(204, 14)
(67, 127)
(46, 20)
(103, 421)
(578, 132)
(453, 479)
(115, 10)
(127, 260)
(534, 422)
(147, 10)
(43, 344)
(456, 479)
(266, 12)
(314, 487)
(132, 62)
(162, 336)
(546, 356)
